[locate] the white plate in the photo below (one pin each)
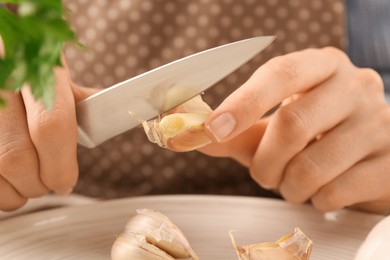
(88, 232)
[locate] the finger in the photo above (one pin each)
(324, 160)
(365, 182)
(241, 148)
(54, 135)
(294, 125)
(18, 157)
(316, 112)
(378, 207)
(276, 80)
(10, 199)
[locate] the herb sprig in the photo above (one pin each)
(33, 39)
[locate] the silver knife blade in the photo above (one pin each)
(106, 114)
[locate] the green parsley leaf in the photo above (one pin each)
(33, 41)
(10, 1)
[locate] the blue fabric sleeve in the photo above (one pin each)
(368, 26)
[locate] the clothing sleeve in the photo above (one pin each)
(368, 28)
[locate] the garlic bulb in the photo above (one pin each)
(151, 235)
(182, 129)
(295, 246)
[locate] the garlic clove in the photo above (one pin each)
(132, 246)
(158, 232)
(194, 105)
(181, 129)
(295, 246)
(183, 132)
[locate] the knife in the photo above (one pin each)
(106, 113)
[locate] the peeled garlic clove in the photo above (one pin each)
(295, 246)
(159, 232)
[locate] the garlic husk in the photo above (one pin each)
(295, 246)
(182, 128)
(158, 232)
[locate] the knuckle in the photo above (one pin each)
(336, 53)
(288, 197)
(10, 199)
(303, 171)
(384, 116)
(12, 154)
(254, 104)
(293, 123)
(61, 181)
(370, 78)
(13, 204)
(262, 179)
(37, 193)
(50, 124)
(380, 123)
(293, 198)
(284, 68)
(19, 165)
(328, 199)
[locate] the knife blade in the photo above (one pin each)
(106, 113)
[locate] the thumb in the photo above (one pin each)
(241, 148)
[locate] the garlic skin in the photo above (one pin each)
(151, 235)
(295, 246)
(181, 129)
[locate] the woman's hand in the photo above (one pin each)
(329, 142)
(37, 145)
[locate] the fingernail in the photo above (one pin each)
(64, 192)
(222, 126)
